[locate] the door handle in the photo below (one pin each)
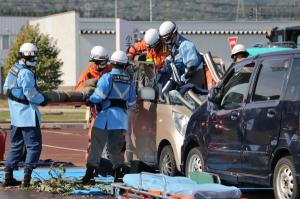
(271, 113)
(234, 115)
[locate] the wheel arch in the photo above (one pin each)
(161, 145)
(192, 144)
(283, 152)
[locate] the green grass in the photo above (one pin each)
(59, 117)
(3, 103)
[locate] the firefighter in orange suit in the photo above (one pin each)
(157, 50)
(98, 66)
(137, 48)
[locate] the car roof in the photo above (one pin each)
(275, 53)
(293, 28)
(280, 28)
(258, 51)
(278, 53)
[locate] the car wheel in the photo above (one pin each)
(167, 163)
(194, 161)
(284, 179)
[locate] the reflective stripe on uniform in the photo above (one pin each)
(100, 93)
(150, 60)
(165, 49)
(131, 103)
(121, 95)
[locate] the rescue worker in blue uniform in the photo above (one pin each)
(23, 100)
(183, 54)
(114, 94)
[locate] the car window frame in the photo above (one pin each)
(256, 76)
(297, 96)
(237, 67)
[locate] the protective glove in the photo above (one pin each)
(87, 92)
(44, 103)
(90, 83)
(183, 78)
(88, 102)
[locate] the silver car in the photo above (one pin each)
(157, 129)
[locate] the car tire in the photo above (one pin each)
(284, 179)
(194, 161)
(167, 162)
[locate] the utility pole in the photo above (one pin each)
(293, 15)
(150, 6)
(116, 8)
(1, 78)
(256, 11)
(240, 10)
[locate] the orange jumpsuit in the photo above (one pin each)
(137, 48)
(91, 72)
(157, 56)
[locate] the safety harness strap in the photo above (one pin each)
(118, 103)
(15, 72)
(12, 97)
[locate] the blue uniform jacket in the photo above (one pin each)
(23, 84)
(185, 55)
(109, 87)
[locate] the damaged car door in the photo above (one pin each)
(224, 131)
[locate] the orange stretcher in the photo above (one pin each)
(124, 192)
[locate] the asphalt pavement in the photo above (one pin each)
(69, 145)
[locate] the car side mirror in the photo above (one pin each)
(147, 93)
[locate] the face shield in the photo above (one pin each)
(155, 45)
(169, 40)
(101, 63)
(31, 61)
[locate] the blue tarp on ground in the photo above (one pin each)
(71, 174)
(46, 163)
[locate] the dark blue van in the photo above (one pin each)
(248, 130)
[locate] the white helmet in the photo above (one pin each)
(239, 49)
(151, 38)
(119, 58)
(166, 30)
(98, 53)
(29, 52)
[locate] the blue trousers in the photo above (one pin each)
(32, 138)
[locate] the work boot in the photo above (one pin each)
(88, 178)
(120, 171)
(27, 176)
(9, 178)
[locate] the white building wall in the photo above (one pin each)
(9, 28)
(63, 28)
(87, 42)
